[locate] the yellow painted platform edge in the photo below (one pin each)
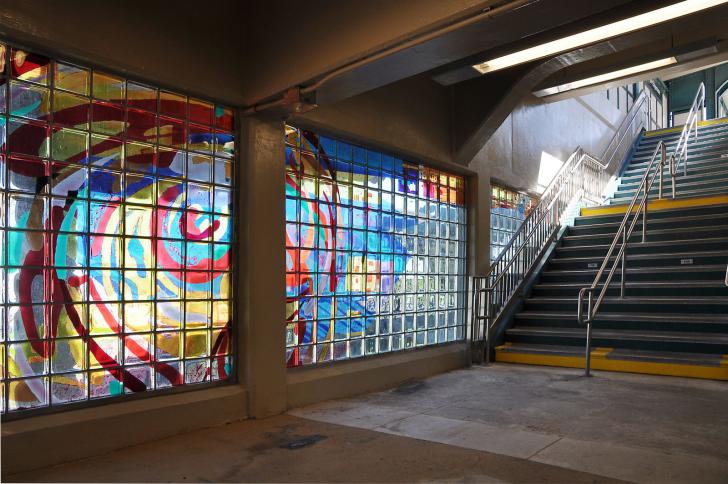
(677, 129)
(600, 362)
(663, 204)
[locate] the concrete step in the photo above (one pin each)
(693, 365)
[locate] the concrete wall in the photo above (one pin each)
(394, 118)
(513, 154)
(683, 89)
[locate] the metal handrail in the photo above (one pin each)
(582, 178)
(624, 233)
(680, 153)
(726, 276)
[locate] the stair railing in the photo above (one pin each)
(582, 178)
(621, 239)
(680, 154)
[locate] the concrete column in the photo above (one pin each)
(479, 221)
(261, 292)
(710, 107)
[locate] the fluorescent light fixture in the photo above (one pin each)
(602, 78)
(598, 34)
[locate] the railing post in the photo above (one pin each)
(624, 262)
(487, 326)
(587, 356)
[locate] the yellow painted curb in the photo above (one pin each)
(677, 129)
(663, 204)
(600, 362)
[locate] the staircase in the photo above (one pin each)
(673, 319)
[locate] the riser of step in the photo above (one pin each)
(699, 150)
(703, 144)
(696, 164)
(681, 184)
(622, 198)
(695, 168)
(649, 275)
(656, 305)
(677, 290)
(622, 342)
(675, 213)
(649, 142)
(675, 135)
(683, 233)
(691, 365)
(652, 224)
(692, 177)
(683, 259)
(626, 324)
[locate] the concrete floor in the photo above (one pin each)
(506, 423)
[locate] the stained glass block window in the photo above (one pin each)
(375, 251)
(115, 235)
(508, 209)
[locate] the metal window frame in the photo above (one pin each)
(233, 272)
(460, 260)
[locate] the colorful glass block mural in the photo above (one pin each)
(375, 251)
(115, 235)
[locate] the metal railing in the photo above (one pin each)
(680, 154)
(624, 232)
(581, 179)
(726, 276)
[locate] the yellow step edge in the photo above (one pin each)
(677, 129)
(664, 204)
(600, 362)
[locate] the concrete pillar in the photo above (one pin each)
(261, 292)
(710, 107)
(479, 222)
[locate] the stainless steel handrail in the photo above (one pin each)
(624, 233)
(581, 178)
(680, 153)
(574, 180)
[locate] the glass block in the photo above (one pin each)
(27, 394)
(171, 104)
(109, 88)
(70, 110)
(27, 138)
(200, 111)
(140, 157)
(172, 132)
(200, 138)
(68, 388)
(224, 144)
(224, 118)
(29, 67)
(141, 97)
(107, 118)
(68, 355)
(71, 78)
(69, 145)
(106, 152)
(30, 101)
(171, 163)
(199, 167)
(141, 125)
